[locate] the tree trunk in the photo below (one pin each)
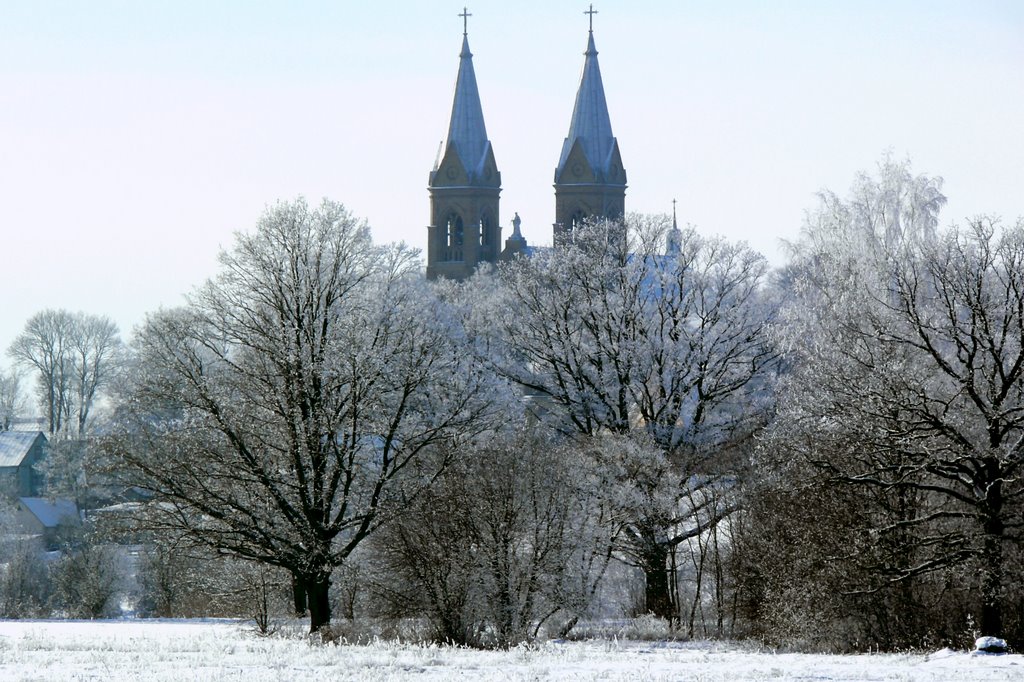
(698, 567)
(719, 586)
(566, 628)
(992, 551)
(657, 600)
(317, 594)
(298, 596)
(992, 579)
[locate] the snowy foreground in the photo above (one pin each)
(218, 650)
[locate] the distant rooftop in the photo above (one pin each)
(51, 513)
(14, 445)
(28, 423)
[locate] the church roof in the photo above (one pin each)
(590, 123)
(467, 132)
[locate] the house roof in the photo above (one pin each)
(51, 512)
(15, 445)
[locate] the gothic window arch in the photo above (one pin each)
(455, 230)
(576, 219)
(485, 229)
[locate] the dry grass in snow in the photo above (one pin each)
(157, 651)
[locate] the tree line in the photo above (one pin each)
(638, 418)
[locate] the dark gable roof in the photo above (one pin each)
(15, 445)
(51, 513)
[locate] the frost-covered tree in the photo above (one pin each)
(86, 579)
(882, 211)
(607, 334)
(95, 349)
(12, 400)
(516, 534)
(24, 581)
(907, 381)
(73, 356)
(283, 411)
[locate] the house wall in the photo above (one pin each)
(26, 523)
(27, 478)
(31, 481)
(9, 482)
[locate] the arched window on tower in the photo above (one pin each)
(485, 230)
(455, 230)
(453, 238)
(576, 220)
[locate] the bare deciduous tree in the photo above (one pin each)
(94, 348)
(908, 382)
(12, 400)
(610, 335)
(281, 413)
(43, 347)
(73, 357)
(515, 534)
(24, 583)
(86, 579)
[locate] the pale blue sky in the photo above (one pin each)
(136, 137)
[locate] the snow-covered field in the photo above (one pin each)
(218, 650)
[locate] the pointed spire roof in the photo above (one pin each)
(590, 123)
(674, 240)
(466, 132)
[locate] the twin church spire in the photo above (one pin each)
(589, 178)
(465, 184)
(467, 132)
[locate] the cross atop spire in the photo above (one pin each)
(591, 12)
(465, 20)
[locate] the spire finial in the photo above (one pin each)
(591, 12)
(674, 225)
(465, 20)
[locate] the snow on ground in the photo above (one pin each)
(156, 651)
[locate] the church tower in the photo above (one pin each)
(589, 179)
(464, 185)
